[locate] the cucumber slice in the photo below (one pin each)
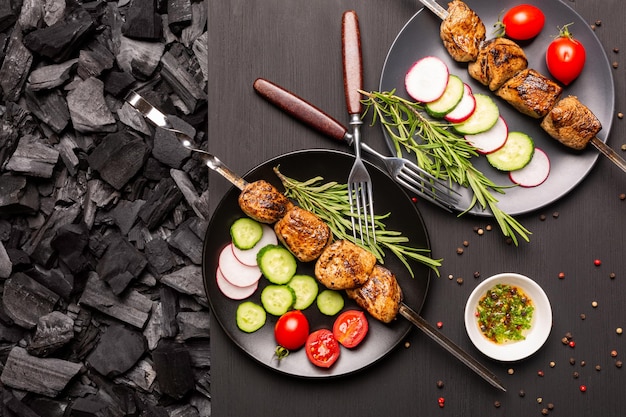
(305, 287)
(250, 317)
(277, 299)
(483, 118)
(515, 154)
(452, 95)
(277, 264)
(330, 302)
(245, 233)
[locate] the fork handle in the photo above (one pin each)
(352, 61)
(300, 109)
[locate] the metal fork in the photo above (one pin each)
(359, 182)
(405, 172)
(159, 119)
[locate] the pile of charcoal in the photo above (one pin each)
(102, 216)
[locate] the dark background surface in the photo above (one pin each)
(297, 45)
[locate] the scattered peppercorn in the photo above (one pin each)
(561, 275)
(539, 400)
(442, 402)
(616, 50)
(465, 243)
(575, 375)
(459, 251)
(594, 304)
(615, 64)
(620, 115)
(476, 274)
(552, 364)
(618, 364)
(623, 147)
(612, 274)
(488, 227)
(510, 371)
(407, 344)
(450, 276)
(497, 404)
(572, 361)
(440, 384)
(569, 335)
(542, 217)
(583, 316)
(598, 368)
(565, 340)
(597, 262)
(618, 330)
(439, 324)
(598, 22)
(544, 411)
(540, 373)
(555, 214)
(583, 388)
(550, 406)
(522, 393)
(572, 344)
(459, 281)
(613, 353)
(480, 232)
(583, 363)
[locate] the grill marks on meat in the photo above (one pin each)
(344, 265)
(530, 93)
(571, 123)
(498, 60)
(261, 201)
(303, 233)
(380, 295)
(462, 32)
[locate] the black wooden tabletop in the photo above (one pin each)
(297, 44)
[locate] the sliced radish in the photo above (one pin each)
(248, 256)
(238, 274)
(231, 291)
(464, 109)
(427, 79)
(533, 174)
(491, 140)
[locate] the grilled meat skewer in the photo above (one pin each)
(344, 265)
(303, 233)
(462, 32)
(571, 123)
(380, 296)
(261, 201)
(498, 60)
(530, 93)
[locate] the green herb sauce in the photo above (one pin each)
(504, 313)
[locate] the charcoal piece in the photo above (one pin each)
(198, 23)
(88, 109)
(94, 59)
(67, 148)
(16, 407)
(152, 332)
(15, 67)
(19, 259)
(142, 21)
(139, 58)
(142, 376)
(118, 158)
(54, 331)
(159, 256)
(61, 41)
(173, 367)
(183, 84)
(11, 334)
(47, 407)
(193, 324)
(15, 122)
(108, 359)
(131, 308)
(118, 83)
(8, 15)
(124, 214)
(88, 407)
(33, 157)
(50, 76)
(184, 184)
(200, 352)
(45, 376)
(169, 307)
(53, 279)
(187, 280)
(161, 202)
(26, 300)
(187, 242)
(70, 241)
(6, 265)
(120, 264)
(179, 14)
(129, 116)
(201, 51)
(50, 107)
(154, 170)
(168, 150)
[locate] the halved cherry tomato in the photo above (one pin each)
(522, 22)
(350, 328)
(322, 348)
(565, 57)
(291, 330)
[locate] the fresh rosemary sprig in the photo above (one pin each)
(440, 152)
(330, 202)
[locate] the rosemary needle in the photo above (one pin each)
(440, 152)
(330, 202)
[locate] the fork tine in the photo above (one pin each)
(418, 173)
(425, 189)
(436, 189)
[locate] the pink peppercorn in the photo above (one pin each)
(597, 262)
(439, 324)
(572, 344)
(583, 388)
(442, 402)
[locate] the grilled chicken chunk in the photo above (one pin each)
(380, 295)
(462, 32)
(498, 60)
(530, 93)
(344, 265)
(261, 201)
(571, 123)
(303, 233)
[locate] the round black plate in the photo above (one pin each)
(382, 338)
(594, 87)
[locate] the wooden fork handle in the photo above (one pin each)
(352, 61)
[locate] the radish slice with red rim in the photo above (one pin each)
(491, 140)
(235, 272)
(248, 256)
(231, 291)
(533, 174)
(427, 79)
(464, 109)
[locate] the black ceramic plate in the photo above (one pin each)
(382, 338)
(594, 87)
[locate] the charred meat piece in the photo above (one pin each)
(380, 295)
(261, 201)
(530, 93)
(344, 265)
(498, 60)
(571, 123)
(462, 32)
(303, 233)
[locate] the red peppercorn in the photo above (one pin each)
(442, 402)
(561, 275)
(597, 262)
(572, 344)
(583, 388)
(414, 199)
(540, 373)
(439, 324)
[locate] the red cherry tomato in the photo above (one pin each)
(523, 22)
(565, 57)
(350, 328)
(322, 348)
(292, 330)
